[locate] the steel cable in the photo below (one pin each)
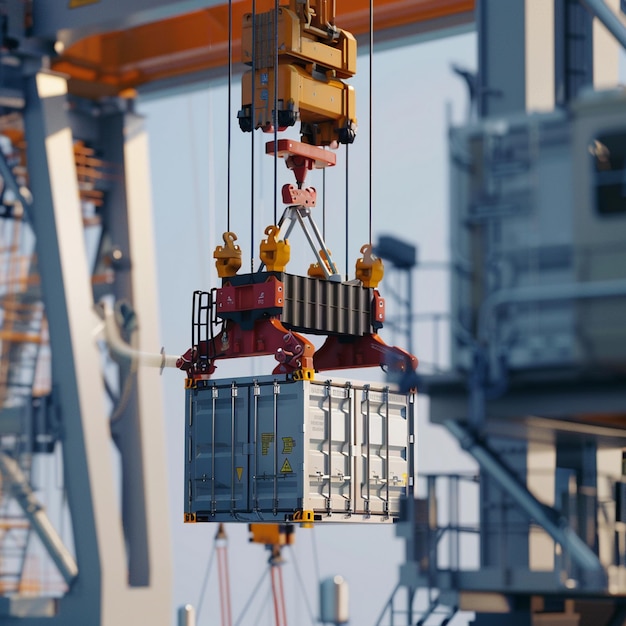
(205, 582)
(251, 599)
(371, 117)
(253, 125)
(275, 115)
(302, 586)
(230, 101)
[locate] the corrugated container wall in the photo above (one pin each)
(271, 449)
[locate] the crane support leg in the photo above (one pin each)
(105, 591)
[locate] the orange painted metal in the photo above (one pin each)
(115, 62)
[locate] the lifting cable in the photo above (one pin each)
(275, 115)
(264, 607)
(195, 180)
(253, 125)
(370, 166)
(230, 98)
(371, 117)
(302, 585)
(347, 212)
(250, 599)
(324, 203)
(205, 583)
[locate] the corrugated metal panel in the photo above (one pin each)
(264, 449)
(328, 307)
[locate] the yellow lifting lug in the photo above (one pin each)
(190, 518)
(315, 269)
(369, 269)
(227, 257)
(274, 254)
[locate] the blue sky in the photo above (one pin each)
(414, 88)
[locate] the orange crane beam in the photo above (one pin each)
(111, 63)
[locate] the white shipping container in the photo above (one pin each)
(272, 449)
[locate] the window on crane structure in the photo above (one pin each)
(609, 169)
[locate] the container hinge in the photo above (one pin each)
(214, 392)
(410, 481)
(276, 388)
(256, 389)
(233, 390)
(327, 388)
(411, 439)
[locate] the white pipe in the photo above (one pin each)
(120, 348)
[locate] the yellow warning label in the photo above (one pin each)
(286, 468)
(74, 4)
(288, 444)
(266, 439)
(239, 473)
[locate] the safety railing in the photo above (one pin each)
(454, 531)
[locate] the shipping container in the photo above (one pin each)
(274, 449)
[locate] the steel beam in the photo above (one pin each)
(613, 24)
(594, 576)
(20, 489)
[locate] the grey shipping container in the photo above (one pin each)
(272, 449)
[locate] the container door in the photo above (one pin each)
(382, 429)
(276, 427)
(329, 429)
(219, 468)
